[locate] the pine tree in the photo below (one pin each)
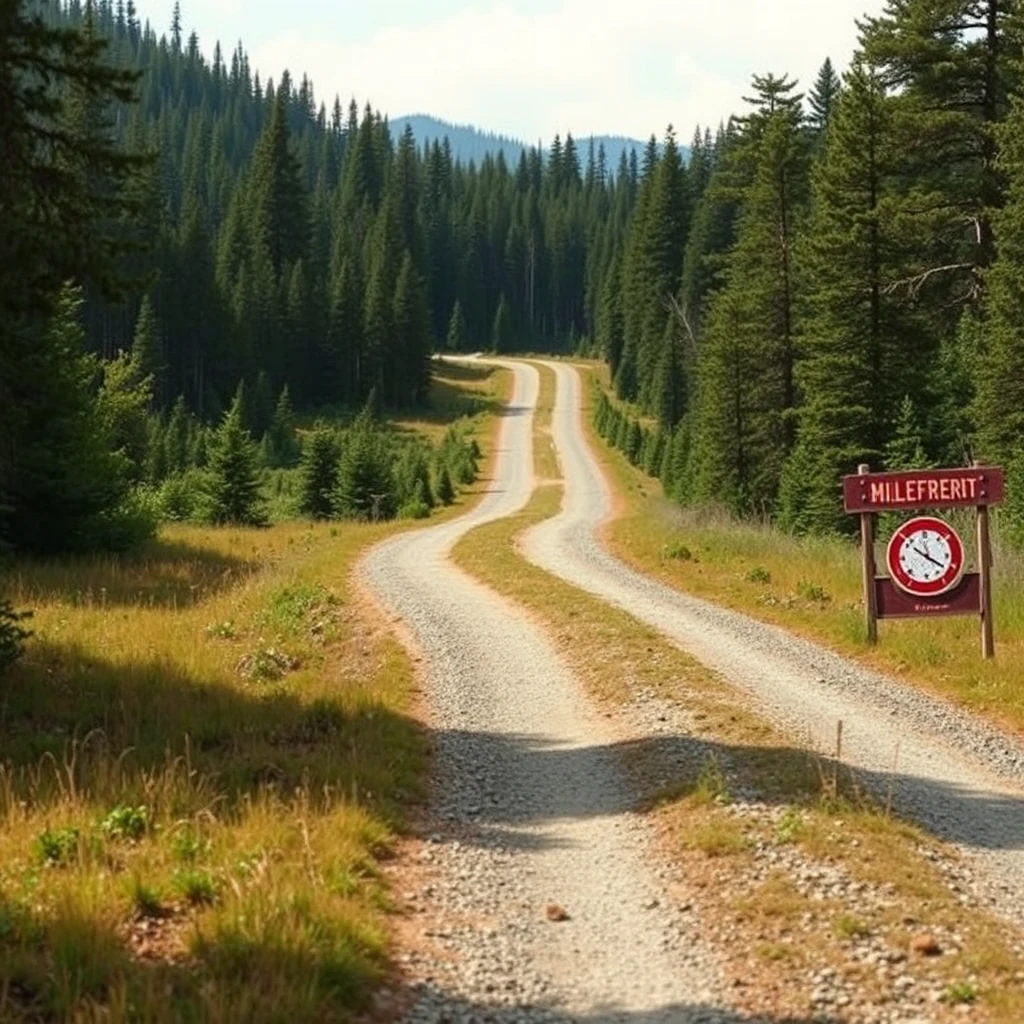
(456, 338)
(501, 332)
(280, 216)
(949, 67)
(999, 405)
(366, 487)
(147, 350)
(319, 474)
(858, 342)
(445, 489)
(411, 320)
(62, 481)
(281, 436)
(823, 96)
(744, 427)
(233, 480)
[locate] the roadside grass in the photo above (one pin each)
(206, 754)
(545, 456)
(457, 389)
(812, 587)
(819, 808)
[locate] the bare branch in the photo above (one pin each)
(914, 284)
(676, 307)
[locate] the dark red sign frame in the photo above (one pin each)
(975, 487)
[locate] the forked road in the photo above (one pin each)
(535, 820)
(960, 779)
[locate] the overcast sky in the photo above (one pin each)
(530, 68)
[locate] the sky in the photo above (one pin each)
(531, 68)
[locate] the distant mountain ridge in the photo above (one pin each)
(470, 143)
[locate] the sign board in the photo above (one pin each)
(927, 488)
(925, 556)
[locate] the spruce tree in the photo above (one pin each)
(281, 436)
(823, 96)
(999, 406)
(411, 322)
(319, 474)
(366, 488)
(233, 480)
(858, 342)
(501, 332)
(744, 425)
(445, 489)
(148, 350)
(456, 337)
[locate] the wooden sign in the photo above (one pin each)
(927, 488)
(925, 556)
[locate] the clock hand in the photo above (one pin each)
(934, 561)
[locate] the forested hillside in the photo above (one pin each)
(837, 279)
(468, 143)
(828, 278)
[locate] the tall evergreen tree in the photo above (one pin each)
(233, 480)
(455, 340)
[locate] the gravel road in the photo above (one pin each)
(542, 900)
(959, 778)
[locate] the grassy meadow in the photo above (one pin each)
(205, 755)
(812, 587)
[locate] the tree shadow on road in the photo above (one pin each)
(435, 1006)
(518, 783)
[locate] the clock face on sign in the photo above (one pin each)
(925, 556)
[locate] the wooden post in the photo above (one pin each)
(988, 644)
(867, 551)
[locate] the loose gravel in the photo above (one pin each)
(543, 901)
(960, 778)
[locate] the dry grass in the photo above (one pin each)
(811, 586)
(206, 753)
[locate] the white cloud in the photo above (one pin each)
(587, 66)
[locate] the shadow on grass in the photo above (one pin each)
(80, 736)
(108, 730)
(68, 965)
(449, 396)
(508, 784)
(161, 573)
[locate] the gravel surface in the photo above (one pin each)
(958, 777)
(543, 900)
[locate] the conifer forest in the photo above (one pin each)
(191, 257)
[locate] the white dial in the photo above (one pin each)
(925, 556)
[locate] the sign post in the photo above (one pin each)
(925, 556)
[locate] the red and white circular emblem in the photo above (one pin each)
(925, 556)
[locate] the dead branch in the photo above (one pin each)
(914, 284)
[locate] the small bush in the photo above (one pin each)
(130, 823)
(847, 926)
(266, 665)
(813, 592)
(677, 551)
(197, 887)
(960, 993)
(58, 846)
(12, 634)
(146, 900)
(759, 574)
(188, 845)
